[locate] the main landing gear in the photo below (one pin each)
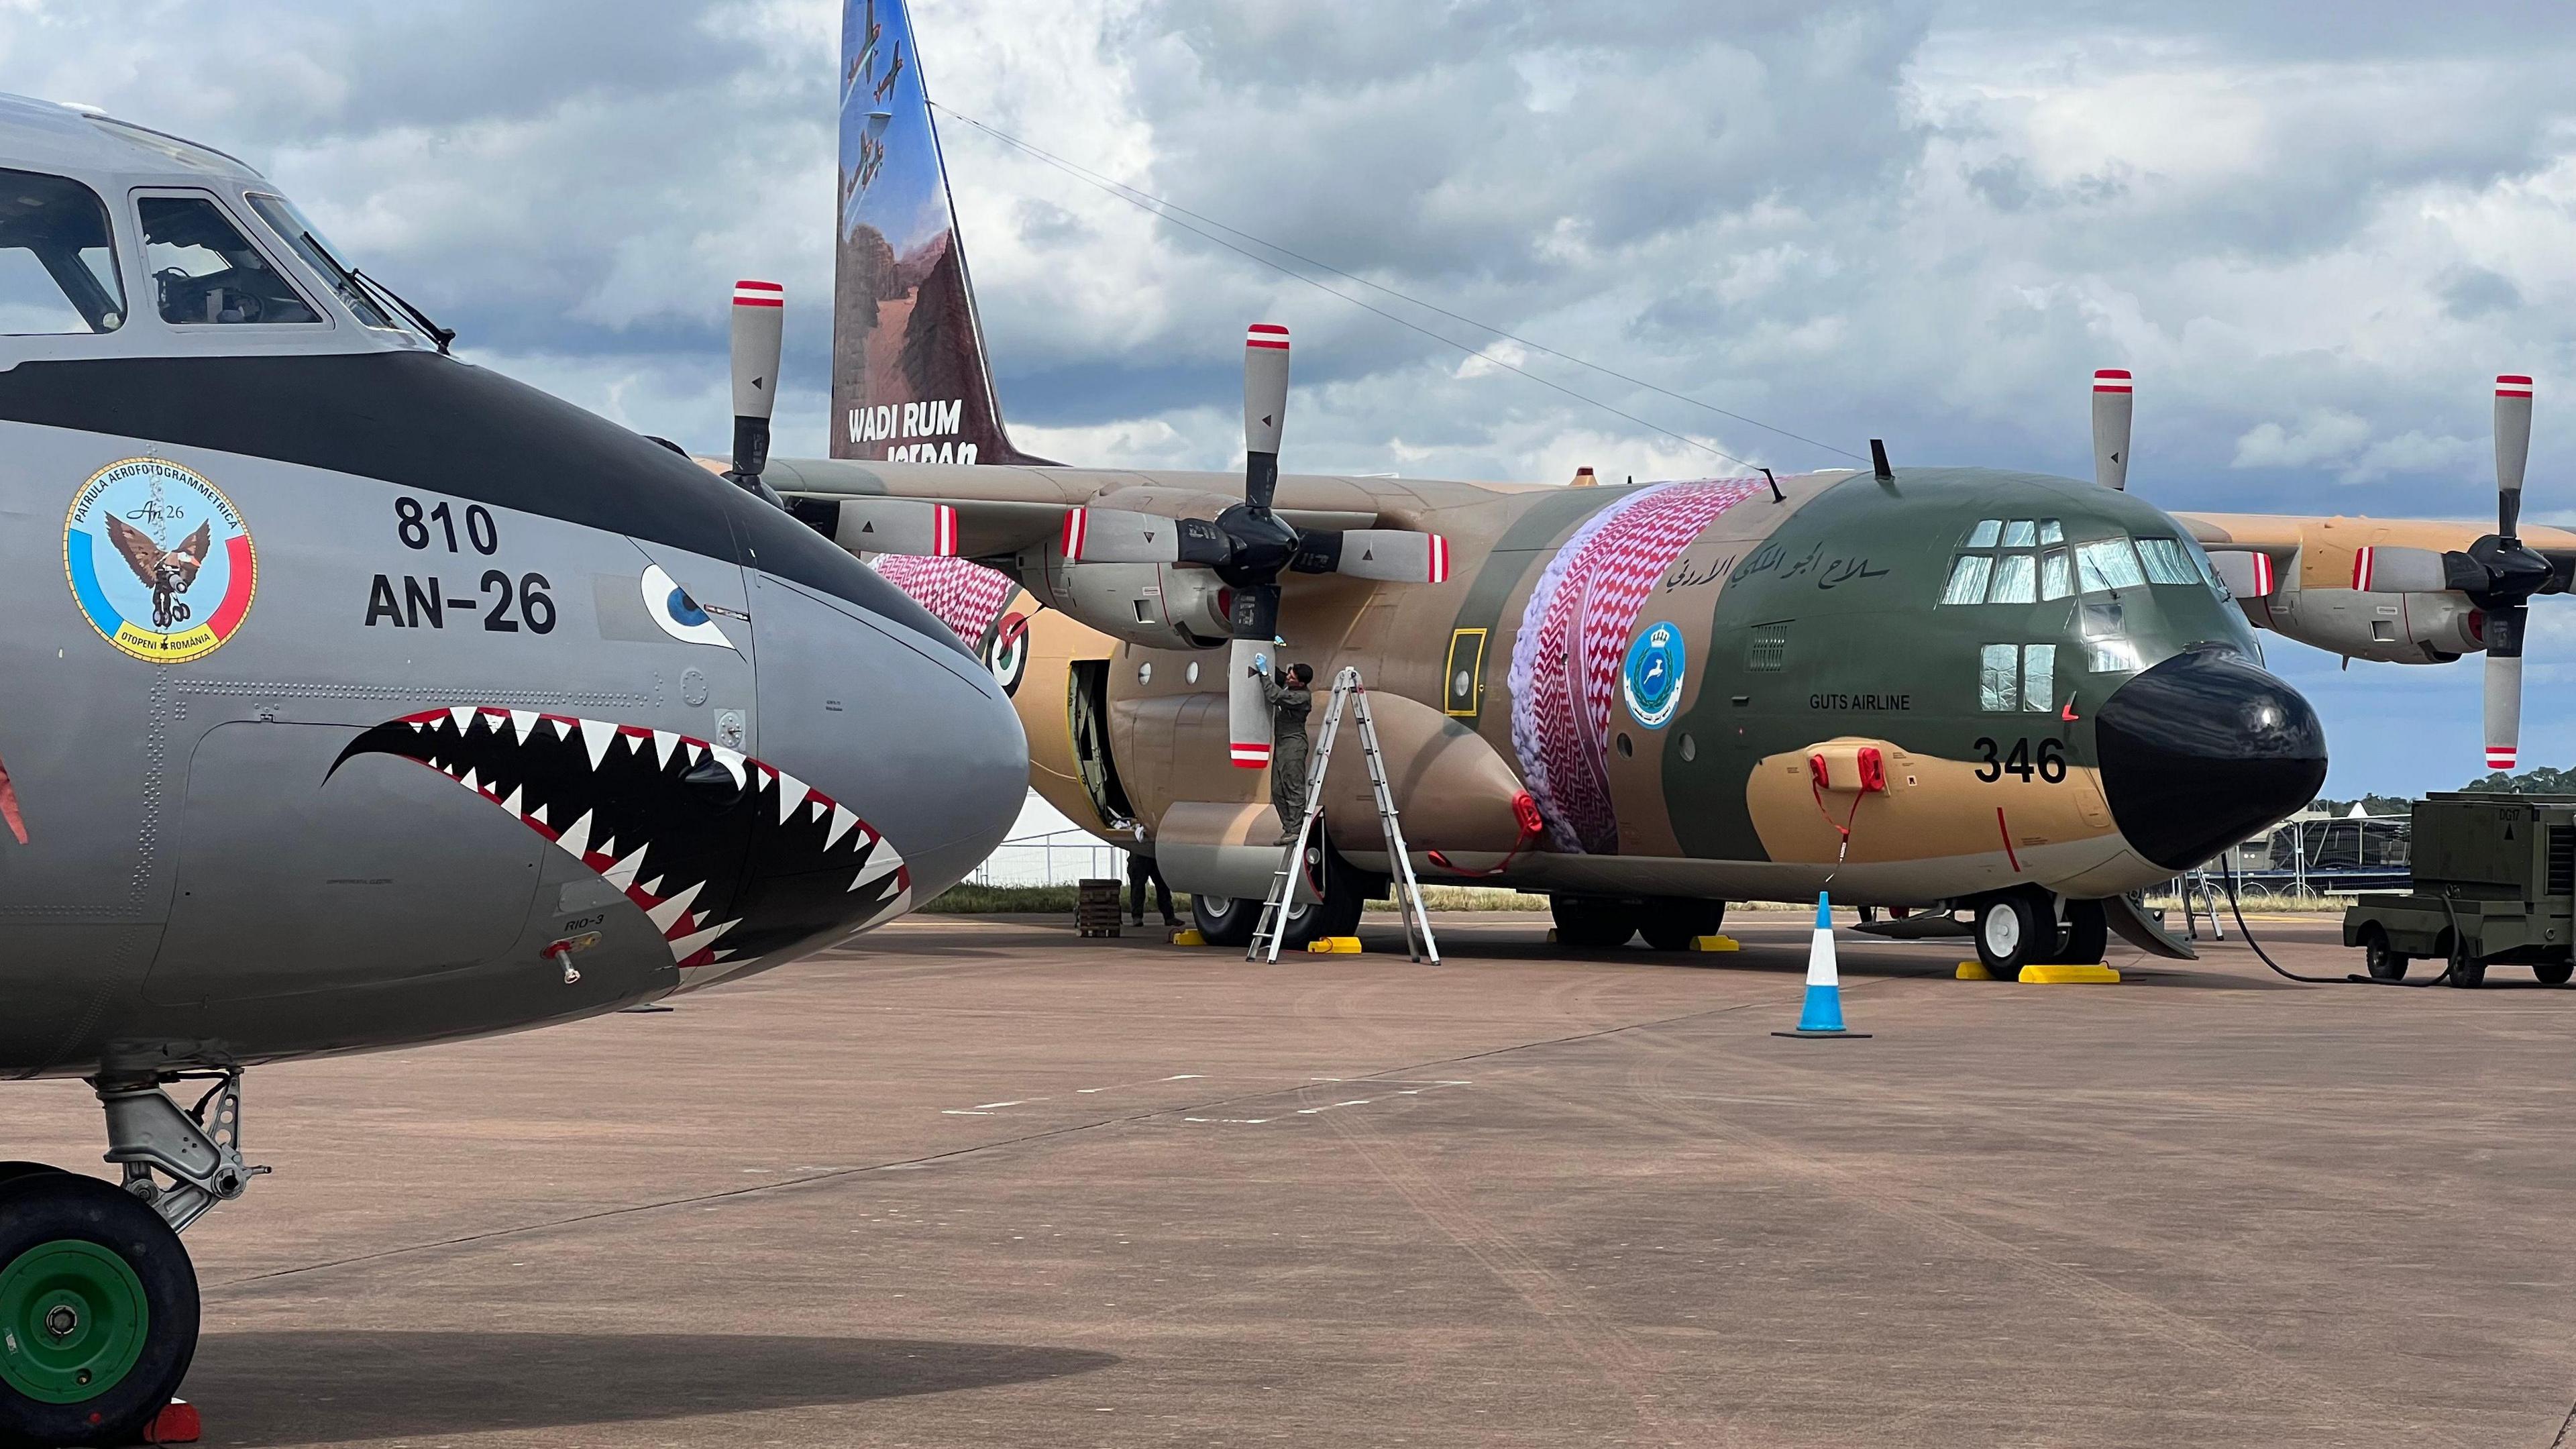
(1229, 921)
(2016, 928)
(98, 1303)
(1601, 923)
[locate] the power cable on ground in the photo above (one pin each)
(2227, 869)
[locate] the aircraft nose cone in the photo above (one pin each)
(2201, 751)
(912, 735)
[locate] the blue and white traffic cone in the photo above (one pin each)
(1823, 1013)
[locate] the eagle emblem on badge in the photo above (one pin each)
(159, 560)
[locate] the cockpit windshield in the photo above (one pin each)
(307, 242)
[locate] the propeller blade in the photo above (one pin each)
(1115, 535)
(2112, 403)
(2386, 570)
(1392, 555)
(1253, 618)
(2247, 574)
(2505, 624)
(1247, 709)
(759, 317)
(2512, 447)
(1120, 535)
(1265, 409)
(893, 525)
(2504, 696)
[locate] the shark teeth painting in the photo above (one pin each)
(732, 859)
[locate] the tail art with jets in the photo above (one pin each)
(1944, 689)
(358, 697)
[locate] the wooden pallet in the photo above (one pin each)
(1095, 910)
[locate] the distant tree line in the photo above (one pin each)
(2538, 780)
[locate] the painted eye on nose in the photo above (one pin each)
(676, 613)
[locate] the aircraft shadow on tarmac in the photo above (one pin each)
(291, 1387)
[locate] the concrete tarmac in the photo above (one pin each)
(984, 1183)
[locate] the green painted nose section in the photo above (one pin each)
(72, 1321)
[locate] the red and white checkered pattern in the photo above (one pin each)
(967, 597)
(1573, 635)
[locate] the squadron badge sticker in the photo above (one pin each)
(159, 560)
(1651, 680)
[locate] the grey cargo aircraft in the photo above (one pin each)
(352, 696)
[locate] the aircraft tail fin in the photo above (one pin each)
(909, 377)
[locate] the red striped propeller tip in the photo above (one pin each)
(759, 294)
(2512, 385)
(2111, 379)
(1266, 334)
(2499, 759)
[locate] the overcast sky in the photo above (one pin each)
(2314, 241)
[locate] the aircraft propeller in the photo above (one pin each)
(1249, 545)
(2498, 573)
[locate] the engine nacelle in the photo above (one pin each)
(2390, 628)
(1161, 606)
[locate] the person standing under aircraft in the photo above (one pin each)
(1143, 871)
(1291, 700)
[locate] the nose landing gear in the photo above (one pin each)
(98, 1302)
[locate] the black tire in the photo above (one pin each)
(1593, 923)
(1224, 920)
(2467, 971)
(1671, 923)
(2554, 973)
(1228, 921)
(1346, 897)
(78, 1251)
(2086, 937)
(2011, 930)
(2382, 963)
(10, 1171)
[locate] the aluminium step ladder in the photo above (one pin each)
(1273, 925)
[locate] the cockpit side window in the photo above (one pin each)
(57, 258)
(206, 272)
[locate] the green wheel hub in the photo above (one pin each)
(73, 1321)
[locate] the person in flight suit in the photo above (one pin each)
(1143, 871)
(1291, 700)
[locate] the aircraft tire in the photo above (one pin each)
(1671, 923)
(2012, 929)
(1592, 922)
(2086, 936)
(1224, 920)
(99, 1301)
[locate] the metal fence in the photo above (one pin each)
(1055, 857)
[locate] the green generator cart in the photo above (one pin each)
(2494, 883)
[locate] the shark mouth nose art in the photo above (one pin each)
(731, 858)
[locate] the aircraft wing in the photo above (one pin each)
(2326, 552)
(1001, 510)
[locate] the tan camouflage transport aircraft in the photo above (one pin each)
(1945, 690)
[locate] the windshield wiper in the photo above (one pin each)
(440, 335)
(379, 294)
